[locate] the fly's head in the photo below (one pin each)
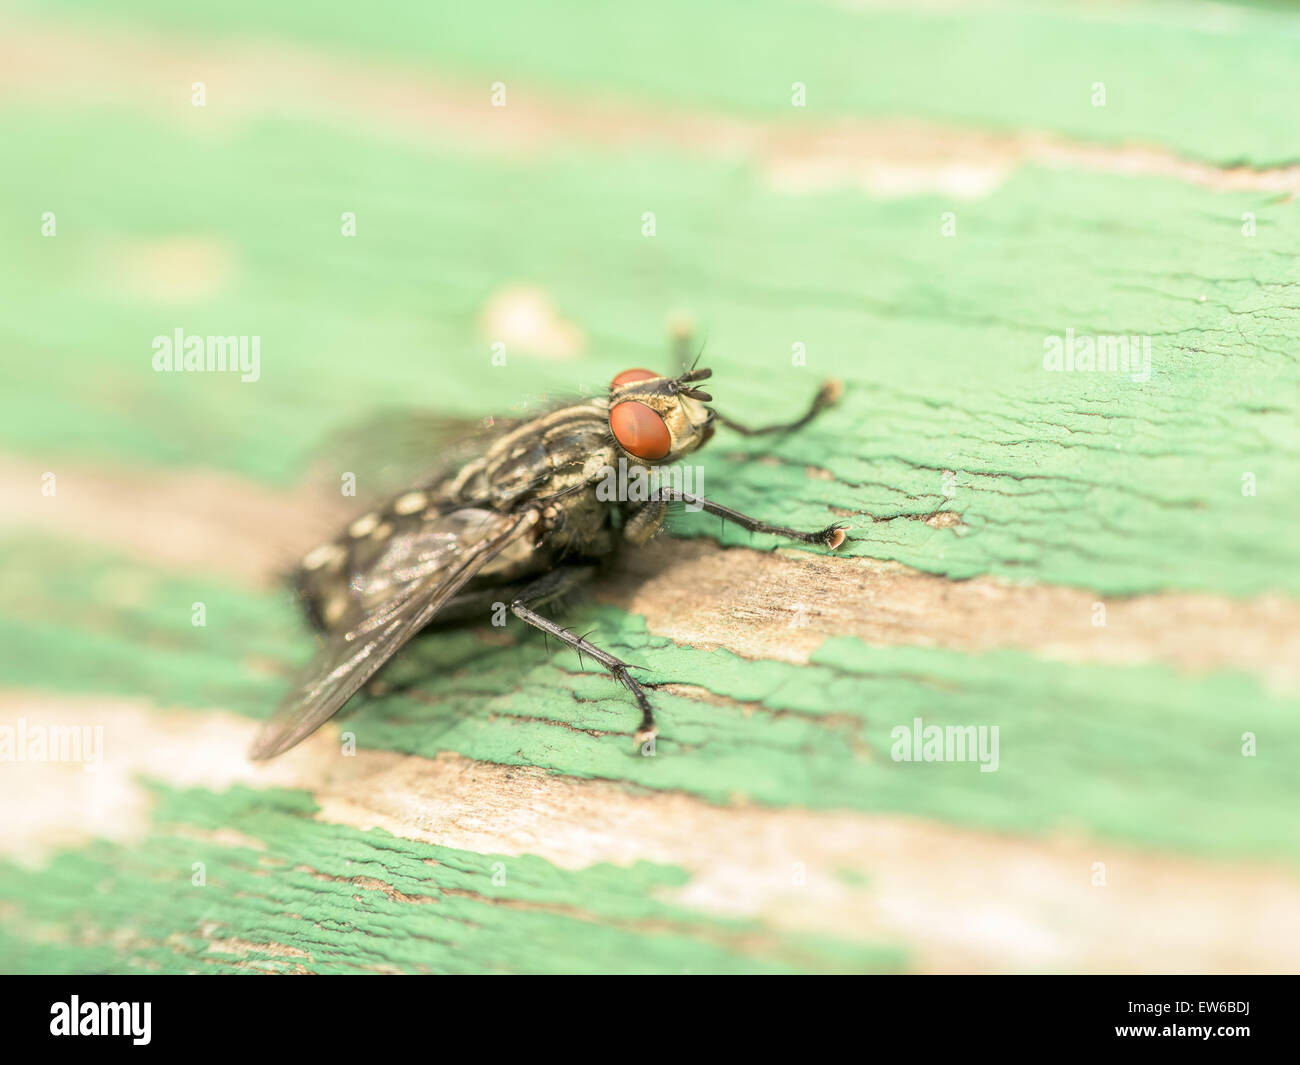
(658, 419)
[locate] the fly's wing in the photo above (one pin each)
(395, 600)
(400, 448)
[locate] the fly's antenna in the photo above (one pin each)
(682, 385)
(682, 337)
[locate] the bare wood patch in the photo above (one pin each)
(956, 899)
(778, 605)
(196, 519)
(883, 158)
(782, 605)
(522, 317)
(179, 269)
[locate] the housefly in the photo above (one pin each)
(515, 518)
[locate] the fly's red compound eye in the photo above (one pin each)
(639, 430)
(628, 376)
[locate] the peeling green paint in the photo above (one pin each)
(1138, 753)
(456, 912)
(1088, 479)
(953, 451)
(1006, 66)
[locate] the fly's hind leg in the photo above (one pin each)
(490, 604)
(555, 586)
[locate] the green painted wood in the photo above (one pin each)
(457, 914)
(777, 734)
(1003, 66)
(1089, 480)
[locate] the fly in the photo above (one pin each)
(513, 518)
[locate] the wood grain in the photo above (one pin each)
(1102, 567)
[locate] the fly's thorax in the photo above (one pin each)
(540, 457)
(584, 526)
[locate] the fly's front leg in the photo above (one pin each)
(832, 536)
(552, 587)
(828, 395)
(644, 522)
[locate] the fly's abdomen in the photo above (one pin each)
(551, 454)
(324, 577)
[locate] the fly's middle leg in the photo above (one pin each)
(832, 536)
(553, 586)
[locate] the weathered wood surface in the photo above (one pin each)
(495, 816)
